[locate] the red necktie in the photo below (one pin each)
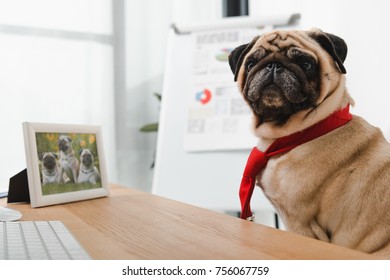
(258, 160)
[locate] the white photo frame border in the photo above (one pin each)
(37, 199)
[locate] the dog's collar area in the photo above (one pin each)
(86, 171)
(68, 155)
(48, 173)
(258, 160)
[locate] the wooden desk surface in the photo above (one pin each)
(130, 224)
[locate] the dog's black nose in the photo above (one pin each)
(274, 67)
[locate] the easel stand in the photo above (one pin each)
(18, 191)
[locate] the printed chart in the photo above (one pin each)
(218, 117)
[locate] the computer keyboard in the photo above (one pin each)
(38, 240)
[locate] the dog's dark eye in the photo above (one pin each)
(307, 66)
(250, 64)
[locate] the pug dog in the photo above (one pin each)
(51, 172)
(336, 187)
(88, 171)
(68, 161)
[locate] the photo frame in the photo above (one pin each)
(65, 163)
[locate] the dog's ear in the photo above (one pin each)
(236, 57)
(334, 45)
(55, 155)
(40, 156)
(80, 152)
(70, 139)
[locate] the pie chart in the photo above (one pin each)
(203, 96)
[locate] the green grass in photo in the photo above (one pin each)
(55, 188)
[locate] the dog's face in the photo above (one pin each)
(64, 143)
(282, 73)
(86, 158)
(49, 161)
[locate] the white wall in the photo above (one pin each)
(364, 26)
(147, 26)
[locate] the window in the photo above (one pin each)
(56, 65)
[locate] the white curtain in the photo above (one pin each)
(56, 67)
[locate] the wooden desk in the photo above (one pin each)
(130, 224)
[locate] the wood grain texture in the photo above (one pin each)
(130, 224)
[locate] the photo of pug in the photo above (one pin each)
(51, 172)
(68, 161)
(88, 171)
(335, 188)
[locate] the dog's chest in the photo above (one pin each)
(52, 176)
(67, 160)
(288, 179)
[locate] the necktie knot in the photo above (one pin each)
(256, 162)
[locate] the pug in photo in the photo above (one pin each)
(51, 172)
(335, 188)
(68, 161)
(88, 171)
